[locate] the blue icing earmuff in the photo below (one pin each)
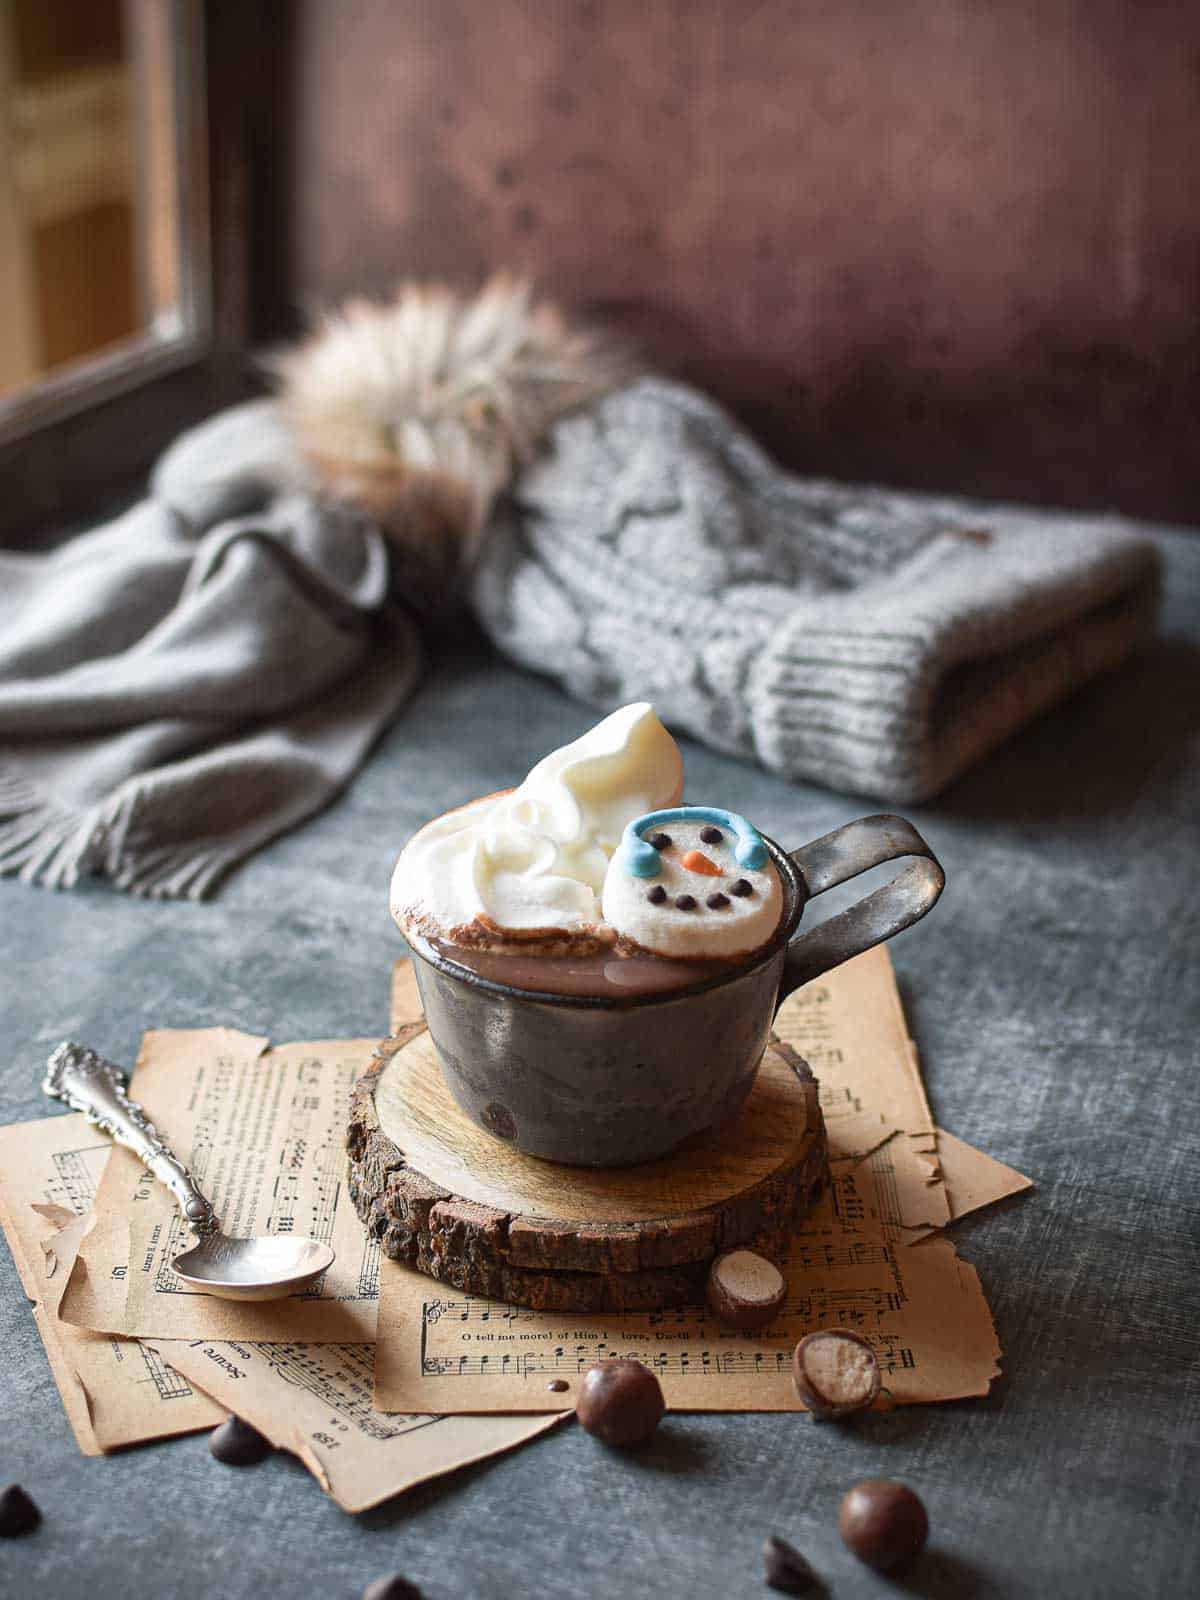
(642, 860)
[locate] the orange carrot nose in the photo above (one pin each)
(697, 861)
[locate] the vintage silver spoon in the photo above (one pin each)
(263, 1268)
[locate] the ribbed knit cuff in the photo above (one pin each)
(893, 692)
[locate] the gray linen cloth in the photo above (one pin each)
(875, 641)
(207, 670)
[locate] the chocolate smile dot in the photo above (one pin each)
(741, 888)
(660, 841)
(657, 895)
(711, 835)
(717, 902)
(686, 902)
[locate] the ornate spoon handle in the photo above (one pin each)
(88, 1083)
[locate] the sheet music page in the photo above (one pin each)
(972, 1178)
(315, 1400)
(850, 1028)
(312, 1399)
(114, 1392)
(921, 1308)
(263, 1130)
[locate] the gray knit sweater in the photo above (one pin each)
(875, 641)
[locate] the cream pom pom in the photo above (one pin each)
(422, 410)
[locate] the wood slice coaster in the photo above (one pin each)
(443, 1196)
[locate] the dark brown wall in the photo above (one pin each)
(937, 242)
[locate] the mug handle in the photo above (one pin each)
(843, 854)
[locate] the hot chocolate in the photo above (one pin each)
(590, 878)
(604, 974)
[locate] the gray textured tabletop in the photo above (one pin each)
(1055, 998)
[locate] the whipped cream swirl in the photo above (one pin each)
(531, 862)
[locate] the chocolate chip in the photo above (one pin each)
(657, 895)
(711, 835)
(558, 1386)
(18, 1514)
(717, 902)
(660, 841)
(685, 902)
(744, 1290)
(237, 1444)
(883, 1523)
(835, 1372)
(741, 888)
(620, 1402)
(785, 1569)
(393, 1587)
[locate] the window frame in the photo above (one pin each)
(83, 436)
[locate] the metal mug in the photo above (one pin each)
(605, 1082)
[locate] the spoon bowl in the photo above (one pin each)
(260, 1268)
(266, 1267)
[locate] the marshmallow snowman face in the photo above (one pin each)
(693, 881)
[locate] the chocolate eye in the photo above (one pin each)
(660, 841)
(717, 902)
(711, 835)
(741, 888)
(685, 902)
(657, 895)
